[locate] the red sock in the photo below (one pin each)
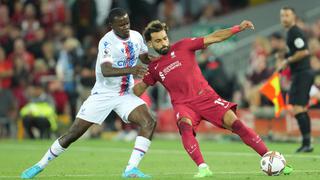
(190, 143)
(249, 137)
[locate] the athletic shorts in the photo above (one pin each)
(98, 106)
(300, 88)
(210, 107)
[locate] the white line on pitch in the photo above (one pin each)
(161, 174)
(156, 151)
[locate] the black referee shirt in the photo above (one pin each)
(296, 41)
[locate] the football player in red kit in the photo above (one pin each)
(192, 98)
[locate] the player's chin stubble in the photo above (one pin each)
(163, 51)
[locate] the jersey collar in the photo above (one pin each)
(119, 37)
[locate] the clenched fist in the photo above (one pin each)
(246, 25)
(139, 71)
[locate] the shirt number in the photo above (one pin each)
(221, 102)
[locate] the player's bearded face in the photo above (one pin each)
(163, 50)
(160, 42)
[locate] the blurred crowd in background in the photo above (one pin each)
(48, 50)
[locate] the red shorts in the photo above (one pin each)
(210, 107)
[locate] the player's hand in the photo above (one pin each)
(282, 65)
(246, 25)
(139, 71)
(152, 57)
(279, 55)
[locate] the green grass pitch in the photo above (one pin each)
(103, 159)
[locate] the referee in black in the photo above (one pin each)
(298, 58)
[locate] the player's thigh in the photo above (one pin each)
(300, 88)
(183, 112)
(228, 119)
(131, 108)
(96, 108)
(214, 108)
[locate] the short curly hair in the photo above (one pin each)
(115, 12)
(154, 26)
(289, 8)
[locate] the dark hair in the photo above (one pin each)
(154, 26)
(115, 12)
(289, 8)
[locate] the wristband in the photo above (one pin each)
(235, 29)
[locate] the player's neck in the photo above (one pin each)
(292, 25)
(119, 36)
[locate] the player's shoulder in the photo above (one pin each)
(106, 39)
(295, 30)
(183, 42)
(135, 34)
(154, 62)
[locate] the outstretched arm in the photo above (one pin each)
(140, 88)
(224, 34)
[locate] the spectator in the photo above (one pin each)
(49, 56)
(84, 14)
(103, 9)
(30, 23)
(8, 110)
(20, 81)
(315, 28)
(4, 24)
(171, 12)
(6, 70)
(254, 79)
(142, 12)
(40, 72)
(69, 58)
(34, 47)
(22, 54)
(14, 33)
(213, 70)
(18, 14)
(208, 12)
(39, 113)
(260, 51)
(61, 101)
(314, 46)
(87, 73)
(52, 11)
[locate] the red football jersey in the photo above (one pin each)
(179, 72)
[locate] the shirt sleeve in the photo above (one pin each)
(105, 53)
(192, 44)
(149, 79)
(298, 41)
(144, 48)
